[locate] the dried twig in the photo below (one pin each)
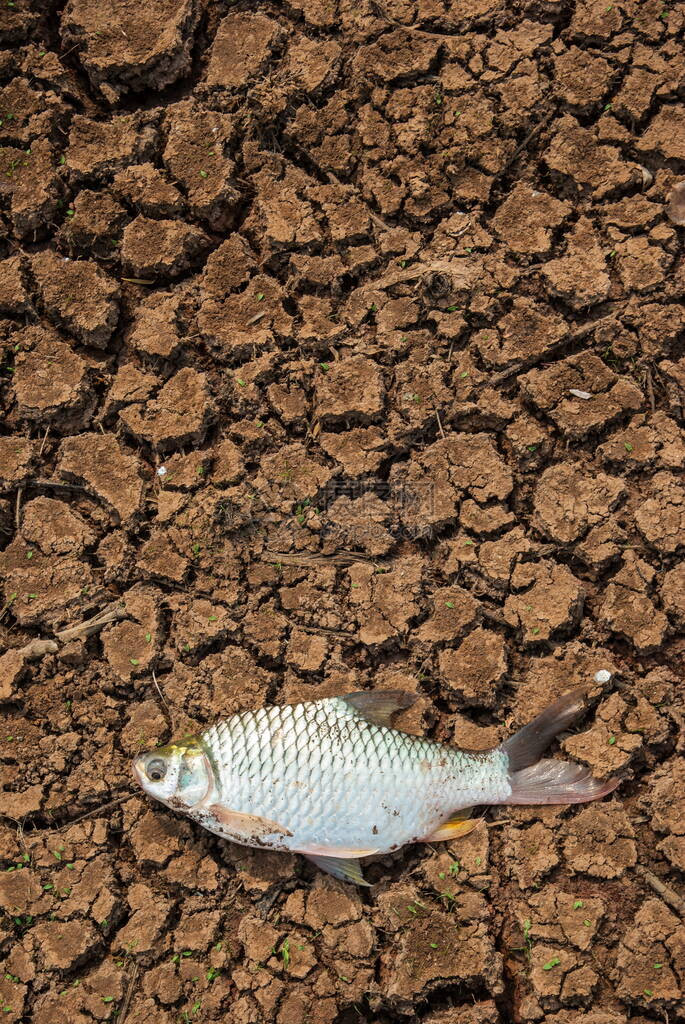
(494, 616)
(462, 230)
(7, 605)
(506, 374)
(97, 810)
(56, 485)
(17, 509)
(92, 625)
(442, 432)
(581, 332)
(535, 130)
(39, 647)
(255, 319)
(129, 993)
(665, 891)
(650, 388)
(525, 365)
(45, 437)
(326, 631)
(71, 49)
(161, 697)
(265, 905)
(305, 559)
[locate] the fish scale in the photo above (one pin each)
(329, 777)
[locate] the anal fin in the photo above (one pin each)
(456, 827)
(348, 869)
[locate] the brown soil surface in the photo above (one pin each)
(342, 344)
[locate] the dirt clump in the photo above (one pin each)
(78, 296)
(160, 248)
(579, 276)
(153, 52)
(105, 468)
(41, 392)
(568, 503)
(97, 149)
(242, 47)
(148, 191)
(525, 218)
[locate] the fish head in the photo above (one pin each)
(179, 775)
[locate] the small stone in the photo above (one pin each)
(676, 204)
(580, 394)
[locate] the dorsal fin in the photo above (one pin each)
(378, 706)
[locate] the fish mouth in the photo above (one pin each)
(137, 769)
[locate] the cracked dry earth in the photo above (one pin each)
(299, 303)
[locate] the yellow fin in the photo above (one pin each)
(250, 826)
(458, 826)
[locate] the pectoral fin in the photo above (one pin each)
(249, 826)
(346, 868)
(458, 826)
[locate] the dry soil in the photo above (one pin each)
(342, 343)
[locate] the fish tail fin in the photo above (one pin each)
(527, 745)
(557, 782)
(535, 781)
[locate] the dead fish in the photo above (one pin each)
(333, 780)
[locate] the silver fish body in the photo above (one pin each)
(337, 782)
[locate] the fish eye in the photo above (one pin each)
(155, 769)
